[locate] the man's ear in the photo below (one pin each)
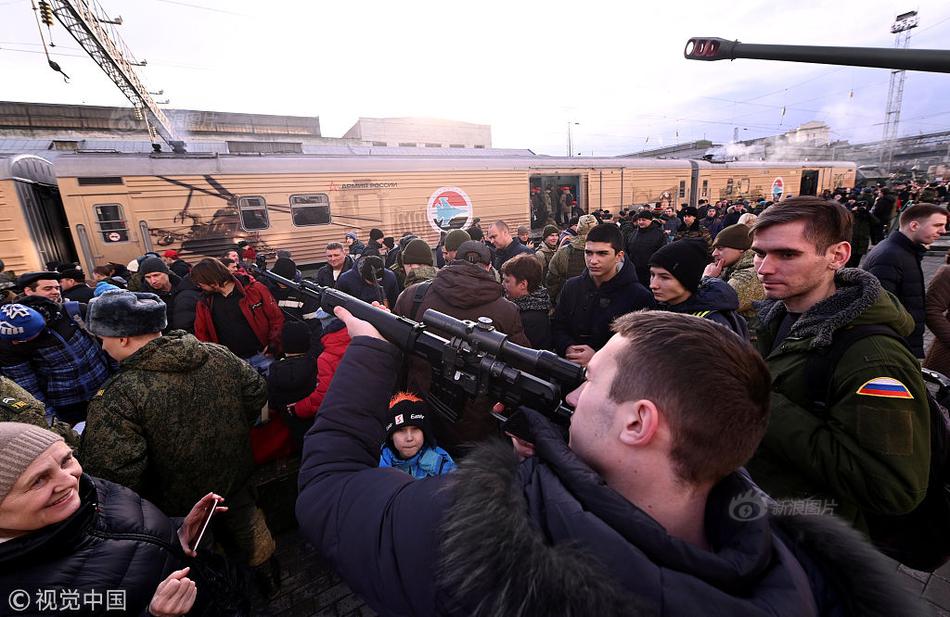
(640, 421)
(840, 254)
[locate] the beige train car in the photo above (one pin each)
(772, 180)
(114, 207)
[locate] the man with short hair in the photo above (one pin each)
(589, 302)
(506, 246)
(174, 423)
(338, 262)
(44, 284)
(645, 512)
(868, 450)
(895, 261)
(524, 234)
(238, 312)
(521, 277)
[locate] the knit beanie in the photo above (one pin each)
(295, 337)
(285, 268)
(455, 238)
(585, 223)
(736, 236)
(406, 409)
(375, 234)
(19, 323)
(548, 230)
(121, 313)
(685, 260)
(152, 264)
(20, 445)
(389, 242)
(417, 252)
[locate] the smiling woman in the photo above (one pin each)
(54, 519)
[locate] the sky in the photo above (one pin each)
(614, 71)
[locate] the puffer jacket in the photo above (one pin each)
(865, 452)
(174, 423)
(335, 341)
(574, 544)
(716, 301)
(115, 541)
(187, 295)
(465, 291)
(895, 261)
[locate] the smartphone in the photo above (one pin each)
(204, 526)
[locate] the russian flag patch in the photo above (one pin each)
(885, 387)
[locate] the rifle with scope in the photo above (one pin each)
(471, 359)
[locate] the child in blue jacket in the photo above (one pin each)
(408, 446)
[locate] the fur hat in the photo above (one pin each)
(644, 214)
(474, 252)
(285, 267)
(736, 236)
(548, 230)
(20, 445)
(371, 266)
(152, 264)
(119, 313)
(585, 223)
(417, 252)
(19, 323)
(455, 238)
(685, 260)
(689, 211)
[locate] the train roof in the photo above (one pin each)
(86, 164)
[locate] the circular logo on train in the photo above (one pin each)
(449, 208)
(778, 188)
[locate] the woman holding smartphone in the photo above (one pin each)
(70, 540)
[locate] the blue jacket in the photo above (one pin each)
(429, 461)
(547, 535)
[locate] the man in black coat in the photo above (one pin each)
(644, 513)
(895, 261)
(646, 239)
(587, 304)
(338, 262)
(506, 245)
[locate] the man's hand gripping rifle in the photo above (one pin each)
(473, 358)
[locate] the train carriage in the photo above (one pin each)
(114, 207)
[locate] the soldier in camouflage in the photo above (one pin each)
(732, 262)
(174, 423)
(18, 405)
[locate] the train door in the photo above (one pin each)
(43, 209)
(553, 198)
(108, 233)
(809, 184)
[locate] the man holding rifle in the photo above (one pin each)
(643, 512)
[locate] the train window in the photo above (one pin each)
(406, 144)
(253, 213)
(705, 188)
(112, 223)
(379, 143)
(682, 188)
(310, 209)
(99, 180)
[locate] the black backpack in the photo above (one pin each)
(919, 539)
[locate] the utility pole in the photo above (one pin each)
(570, 138)
(84, 24)
(901, 28)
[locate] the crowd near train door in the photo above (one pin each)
(809, 182)
(554, 199)
(43, 209)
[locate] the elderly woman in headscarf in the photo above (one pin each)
(68, 537)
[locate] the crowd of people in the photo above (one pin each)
(153, 390)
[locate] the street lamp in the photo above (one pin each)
(570, 138)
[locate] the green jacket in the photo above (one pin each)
(867, 453)
(567, 262)
(18, 405)
(174, 423)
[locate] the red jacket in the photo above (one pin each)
(259, 308)
(335, 343)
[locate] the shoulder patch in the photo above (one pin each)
(885, 387)
(14, 403)
(100, 392)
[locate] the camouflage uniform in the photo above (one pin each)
(422, 273)
(741, 277)
(174, 424)
(18, 405)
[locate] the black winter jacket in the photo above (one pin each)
(186, 297)
(547, 536)
(584, 311)
(641, 244)
(895, 261)
(500, 256)
(716, 301)
(350, 282)
(115, 541)
(325, 273)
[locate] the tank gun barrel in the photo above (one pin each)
(711, 48)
